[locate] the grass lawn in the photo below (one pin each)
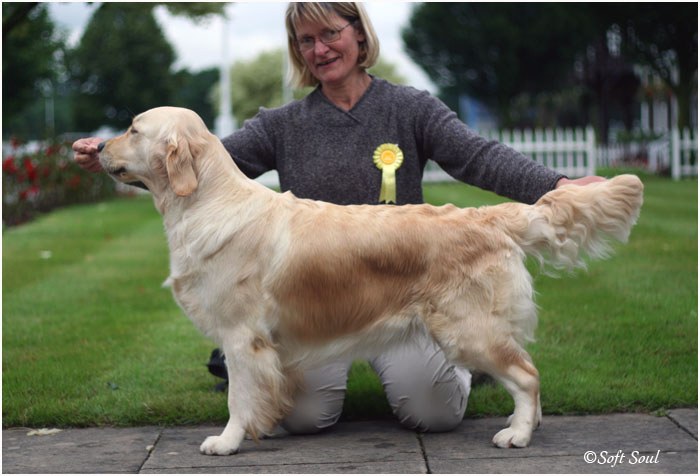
(91, 338)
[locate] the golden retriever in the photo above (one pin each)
(281, 283)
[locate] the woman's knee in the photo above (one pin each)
(447, 403)
(434, 419)
(300, 423)
(320, 405)
(425, 391)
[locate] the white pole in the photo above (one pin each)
(225, 123)
(675, 154)
(590, 151)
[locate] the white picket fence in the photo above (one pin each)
(568, 151)
(676, 151)
(684, 153)
(574, 152)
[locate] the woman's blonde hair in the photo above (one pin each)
(320, 12)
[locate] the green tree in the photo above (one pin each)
(609, 82)
(496, 51)
(193, 91)
(33, 64)
(29, 56)
(664, 37)
(385, 70)
(196, 11)
(255, 83)
(14, 14)
(121, 66)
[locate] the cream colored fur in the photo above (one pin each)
(282, 283)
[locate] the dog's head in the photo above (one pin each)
(159, 149)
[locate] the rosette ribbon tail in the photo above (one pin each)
(387, 193)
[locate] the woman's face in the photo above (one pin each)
(334, 62)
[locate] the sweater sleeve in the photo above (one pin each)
(252, 147)
(472, 159)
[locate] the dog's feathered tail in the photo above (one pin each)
(573, 221)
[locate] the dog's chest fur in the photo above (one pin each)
(218, 264)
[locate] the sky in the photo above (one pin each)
(253, 27)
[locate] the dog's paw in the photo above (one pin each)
(536, 424)
(510, 438)
(216, 445)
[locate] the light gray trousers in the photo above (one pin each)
(426, 393)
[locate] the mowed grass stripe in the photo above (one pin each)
(98, 340)
(69, 236)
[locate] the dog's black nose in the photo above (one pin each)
(100, 147)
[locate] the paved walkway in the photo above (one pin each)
(619, 443)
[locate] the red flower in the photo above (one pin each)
(8, 166)
(74, 182)
(14, 142)
(31, 170)
(29, 192)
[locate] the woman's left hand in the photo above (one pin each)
(580, 181)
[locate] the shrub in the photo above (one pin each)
(38, 177)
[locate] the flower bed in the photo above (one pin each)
(39, 177)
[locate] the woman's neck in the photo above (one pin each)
(346, 94)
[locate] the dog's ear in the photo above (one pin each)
(179, 162)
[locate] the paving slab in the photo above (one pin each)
(686, 418)
(88, 450)
(350, 447)
(618, 443)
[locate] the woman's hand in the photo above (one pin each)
(86, 154)
(580, 181)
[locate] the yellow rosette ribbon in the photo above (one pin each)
(388, 158)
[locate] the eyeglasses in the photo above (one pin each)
(307, 43)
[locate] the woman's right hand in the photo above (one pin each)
(86, 154)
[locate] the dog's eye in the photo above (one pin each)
(134, 131)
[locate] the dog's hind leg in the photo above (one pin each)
(538, 414)
(521, 380)
(258, 395)
(480, 344)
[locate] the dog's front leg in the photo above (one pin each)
(257, 395)
(230, 439)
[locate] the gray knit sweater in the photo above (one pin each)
(325, 153)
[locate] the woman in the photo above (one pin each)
(359, 139)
